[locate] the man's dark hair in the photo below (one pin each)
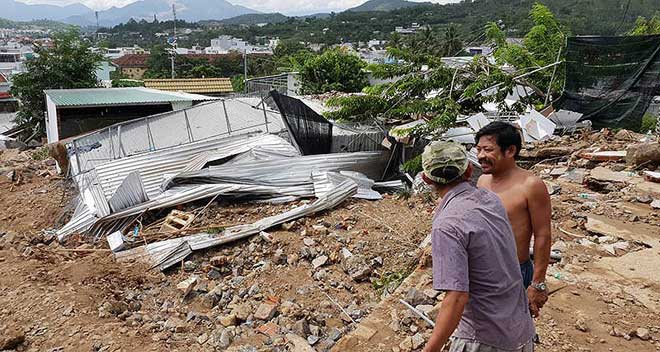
(505, 134)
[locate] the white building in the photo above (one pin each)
(115, 53)
(225, 44)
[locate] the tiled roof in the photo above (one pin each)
(132, 60)
(117, 96)
(192, 85)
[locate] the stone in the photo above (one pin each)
(189, 266)
(309, 242)
(186, 286)
(312, 339)
(222, 338)
(292, 259)
(269, 329)
(425, 308)
(279, 257)
(364, 333)
(416, 297)
(319, 261)
(655, 204)
(242, 311)
(11, 337)
(175, 325)
(321, 275)
(201, 339)
(301, 328)
(378, 261)
(345, 253)
(407, 344)
(417, 341)
(581, 324)
(643, 334)
(228, 320)
(213, 274)
(334, 334)
(287, 226)
(432, 293)
(265, 311)
(357, 268)
(299, 344)
(320, 230)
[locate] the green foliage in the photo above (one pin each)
(40, 154)
(413, 166)
(645, 26)
(67, 64)
(649, 123)
(238, 83)
(542, 46)
(334, 70)
(125, 83)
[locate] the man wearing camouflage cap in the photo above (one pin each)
(485, 308)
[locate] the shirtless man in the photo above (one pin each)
(526, 200)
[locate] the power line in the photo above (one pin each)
(623, 19)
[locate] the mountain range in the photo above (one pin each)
(189, 10)
(79, 14)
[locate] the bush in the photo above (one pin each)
(649, 123)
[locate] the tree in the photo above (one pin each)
(542, 46)
(334, 70)
(451, 45)
(645, 26)
(67, 64)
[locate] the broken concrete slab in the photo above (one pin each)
(643, 153)
(652, 176)
(642, 264)
(605, 155)
(650, 187)
(630, 232)
(606, 175)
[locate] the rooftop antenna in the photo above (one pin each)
(96, 13)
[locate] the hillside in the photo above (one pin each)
(580, 17)
(255, 18)
(385, 5)
(19, 11)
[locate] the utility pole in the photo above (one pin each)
(173, 42)
(96, 13)
(245, 68)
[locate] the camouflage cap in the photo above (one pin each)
(443, 154)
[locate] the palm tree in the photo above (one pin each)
(452, 44)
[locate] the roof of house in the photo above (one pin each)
(118, 96)
(191, 85)
(132, 60)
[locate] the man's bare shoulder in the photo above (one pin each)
(485, 181)
(532, 184)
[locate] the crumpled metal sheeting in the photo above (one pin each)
(130, 193)
(82, 221)
(164, 253)
(287, 172)
(95, 199)
(325, 182)
(154, 165)
(174, 256)
(188, 193)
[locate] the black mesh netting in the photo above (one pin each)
(311, 131)
(612, 80)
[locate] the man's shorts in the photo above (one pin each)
(465, 345)
(527, 271)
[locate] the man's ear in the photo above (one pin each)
(468, 172)
(510, 152)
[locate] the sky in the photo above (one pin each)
(287, 7)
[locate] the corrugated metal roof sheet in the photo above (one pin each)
(191, 85)
(118, 96)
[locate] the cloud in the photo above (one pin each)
(287, 7)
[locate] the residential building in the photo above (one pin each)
(132, 66)
(225, 44)
(71, 112)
